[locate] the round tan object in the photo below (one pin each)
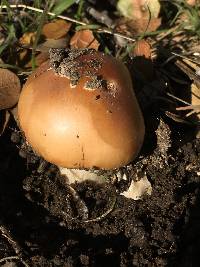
(78, 110)
(9, 89)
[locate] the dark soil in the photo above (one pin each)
(44, 222)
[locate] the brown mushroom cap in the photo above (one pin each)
(94, 121)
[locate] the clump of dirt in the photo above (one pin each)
(67, 63)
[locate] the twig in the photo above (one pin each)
(165, 34)
(190, 113)
(188, 60)
(79, 202)
(9, 258)
(103, 30)
(6, 233)
(193, 107)
(14, 258)
(179, 99)
(18, 250)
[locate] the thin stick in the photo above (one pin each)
(190, 113)
(13, 258)
(194, 107)
(184, 57)
(179, 99)
(9, 258)
(105, 30)
(18, 250)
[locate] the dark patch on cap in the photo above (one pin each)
(98, 97)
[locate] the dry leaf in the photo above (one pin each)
(9, 89)
(4, 119)
(133, 27)
(144, 25)
(141, 15)
(27, 38)
(142, 48)
(52, 43)
(83, 39)
(26, 41)
(56, 29)
(191, 2)
(138, 9)
(24, 56)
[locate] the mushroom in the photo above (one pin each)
(79, 111)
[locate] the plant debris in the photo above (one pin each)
(56, 29)
(84, 39)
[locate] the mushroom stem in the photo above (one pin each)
(78, 175)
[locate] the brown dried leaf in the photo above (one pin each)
(52, 43)
(144, 25)
(56, 29)
(138, 9)
(84, 39)
(4, 119)
(24, 55)
(134, 27)
(9, 89)
(142, 48)
(191, 2)
(27, 38)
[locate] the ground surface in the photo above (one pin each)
(159, 230)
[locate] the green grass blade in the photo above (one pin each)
(38, 34)
(10, 38)
(62, 6)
